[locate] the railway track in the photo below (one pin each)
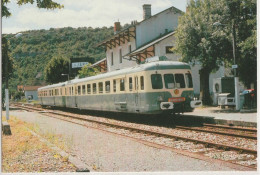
(76, 118)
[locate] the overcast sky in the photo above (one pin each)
(81, 13)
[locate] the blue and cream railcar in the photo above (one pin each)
(149, 88)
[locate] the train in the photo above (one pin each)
(157, 87)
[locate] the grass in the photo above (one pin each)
(24, 152)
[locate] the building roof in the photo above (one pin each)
(134, 25)
(149, 44)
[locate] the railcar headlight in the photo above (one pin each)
(160, 98)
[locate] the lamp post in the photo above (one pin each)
(237, 97)
(67, 75)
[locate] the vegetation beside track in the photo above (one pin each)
(24, 152)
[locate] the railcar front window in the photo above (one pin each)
(189, 80)
(156, 81)
(179, 79)
(169, 81)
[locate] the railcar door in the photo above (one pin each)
(136, 94)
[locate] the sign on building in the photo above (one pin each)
(78, 64)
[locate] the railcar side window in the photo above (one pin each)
(72, 91)
(83, 89)
(169, 81)
(156, 81)
(130, 84)
(79, 90)
(100, 87)
(94, 85)
(122, 84)
(89, 88)
(114, 85)
(142, 82)
(179, 79)
(107, 84)
(189, 80)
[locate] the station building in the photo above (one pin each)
(153, 36)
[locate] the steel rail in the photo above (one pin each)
(229, 127)
(176, 137)
(218, 132)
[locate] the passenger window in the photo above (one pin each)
(179, 79)
(114, 85)
(100, 87)
(94, 85)
(122, 84)
(83, 90)
(189, 80)
(107, 84)
(130, 84)
(156, 81)
(72, 91)
(169, 81)
(89, 88)
(79, 90)
(142, 82)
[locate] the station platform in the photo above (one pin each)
(216, 115)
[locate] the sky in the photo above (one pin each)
(81, 13)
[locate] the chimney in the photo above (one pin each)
(117, 27)
(147, 11)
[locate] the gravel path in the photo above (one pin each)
(106, 152)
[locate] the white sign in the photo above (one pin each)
(78, 64)
(234, 66)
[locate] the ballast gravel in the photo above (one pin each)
(106, 152)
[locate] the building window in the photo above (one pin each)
(120, 55)
(169, 49)
(112, 59)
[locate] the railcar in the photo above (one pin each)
(151, 88)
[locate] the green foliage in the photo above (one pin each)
(47, 4)
(88, 71)
(198, 40)
(55, 68)
(7, 61)
(18, 95)
(32, 50)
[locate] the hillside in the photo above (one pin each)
(31, 50)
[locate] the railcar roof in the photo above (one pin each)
(156, 65)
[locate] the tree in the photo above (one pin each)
(7, 62)
(88, 71)
(55, 68)
(47, 4)
(198, 41)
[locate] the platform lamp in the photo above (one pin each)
(67, 75)
(237, 97)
